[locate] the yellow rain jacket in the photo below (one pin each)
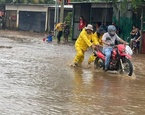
(59, 27)
(99, 40)
(85, 40)
(82, 43)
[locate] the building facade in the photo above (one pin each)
(29, 17)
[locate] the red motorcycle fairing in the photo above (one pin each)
(126, 55)
(121, 48)
(100, 55)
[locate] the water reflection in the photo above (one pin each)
(35, 80)
(104, 93)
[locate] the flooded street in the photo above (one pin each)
(36, 79)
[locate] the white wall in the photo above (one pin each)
(36, 8)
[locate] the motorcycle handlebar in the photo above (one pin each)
(98, 47)
(113, 45)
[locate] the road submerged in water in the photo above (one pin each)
(36, 79)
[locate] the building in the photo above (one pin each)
(26, 17)
(31, 17)
(93, 13)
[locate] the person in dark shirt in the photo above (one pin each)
(135, 41)
(66, 32)
(133, 32)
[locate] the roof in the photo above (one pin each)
(65, 6)
(29, 4)
(42, 5)
(95, 4)
(85, 2)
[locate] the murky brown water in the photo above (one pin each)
(35, 79)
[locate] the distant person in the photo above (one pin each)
(50, 36)
(133, 32)
(59, 28)
(98, 24)
(135, 41)
(3, 23)
(66, 32)
(82, 23)
(132, 35)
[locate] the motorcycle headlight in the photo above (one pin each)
(128, 50)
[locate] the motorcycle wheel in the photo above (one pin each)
(128, 67)
(98, 63)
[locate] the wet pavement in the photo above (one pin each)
(36, 79)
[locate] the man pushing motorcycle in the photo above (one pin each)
(98, 36)
(108, 40)
(86, 39)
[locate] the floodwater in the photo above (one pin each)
(36, 79)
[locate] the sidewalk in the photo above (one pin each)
(21, 34)
(13, 34)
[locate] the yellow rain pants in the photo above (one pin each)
(82, 43)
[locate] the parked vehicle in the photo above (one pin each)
(120, 59)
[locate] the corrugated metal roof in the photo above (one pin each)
(84, 2)
(65, 6)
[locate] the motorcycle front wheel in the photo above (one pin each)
(99, 63)
(128, 67)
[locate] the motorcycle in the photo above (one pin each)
(119, 61)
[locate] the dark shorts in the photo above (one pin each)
(59, 34)
(136, 44)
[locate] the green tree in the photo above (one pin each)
(136, 3)
(2, 1)
(68, 19)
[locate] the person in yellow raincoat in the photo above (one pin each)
(59, 28)
(86, 39)
(98, 35)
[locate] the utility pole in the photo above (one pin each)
(56, 11)
(55, 14)
(62, 11)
